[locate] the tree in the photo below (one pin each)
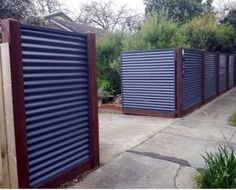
(42, 7)
(157, 31)
(203, 32)
(105, 15)
(179, 11)
(224, 9)
(14, 8)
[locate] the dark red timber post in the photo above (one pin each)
(203, 75)
(11, 33)
(218, 73)
(179, 81)
(234, 70)
(93, 99)
(227, 71)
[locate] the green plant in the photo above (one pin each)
(108, 52)
(220, 170)
(105, 85)
(232, 119)
(103, 95)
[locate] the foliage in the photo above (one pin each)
(157, 31)
(232, 119)
(201, 31)
(108, 52)
(226, 37)
(14, 8)
(104, 85)
(220, 170)
(103, 95)
(179, 11)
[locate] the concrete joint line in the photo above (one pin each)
(150, 137)
(212, 140)
(162, 157)
(176, 176)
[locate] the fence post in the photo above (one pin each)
(234, 70)
(227, 71)
(11, 33)
(203, 75)
(218, 73)
(93, 99)
(179, 81)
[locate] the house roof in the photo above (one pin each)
(61, 21)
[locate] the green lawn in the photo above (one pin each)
(232, 119)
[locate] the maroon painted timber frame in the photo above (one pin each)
(218, 73)
(148, 112)
(203, 75)
(227, 71)
(234, 70)
(11, 33)
(179, 82)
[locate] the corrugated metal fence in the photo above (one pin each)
(197, 78)
(192, 78)
(210, 75)
(54, 103)
(148, 81)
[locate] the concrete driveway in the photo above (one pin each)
(149, 152)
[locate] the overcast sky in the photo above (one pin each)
(134, 4)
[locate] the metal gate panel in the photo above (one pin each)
(231, 71)
(148, 80)
(192, 78)
(56, 102)
(210, 75)
(222, 74)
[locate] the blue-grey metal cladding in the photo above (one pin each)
(222, 75)
(231, 71)
(56, 101)
(192, 78)
(210, 75)
(148, 80)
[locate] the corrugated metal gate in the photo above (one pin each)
(210, 75)
(55, 103)
(148, 81)
(231, 71)
(192, 78)
(222, 73)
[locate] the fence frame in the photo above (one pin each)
(179, 74)
(179, 82)
(11, 33)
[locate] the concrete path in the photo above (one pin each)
(149, 152)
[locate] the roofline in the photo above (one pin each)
(47, 16)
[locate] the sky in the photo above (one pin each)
(137, 5)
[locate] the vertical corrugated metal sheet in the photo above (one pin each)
(148, 80)
(56, 101)
(222, 76)
(210, 75)
(231, 71)
(192, 78)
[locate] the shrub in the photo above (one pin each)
(157, 31)
(105, 85)
(220, 170)
(108, 52)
